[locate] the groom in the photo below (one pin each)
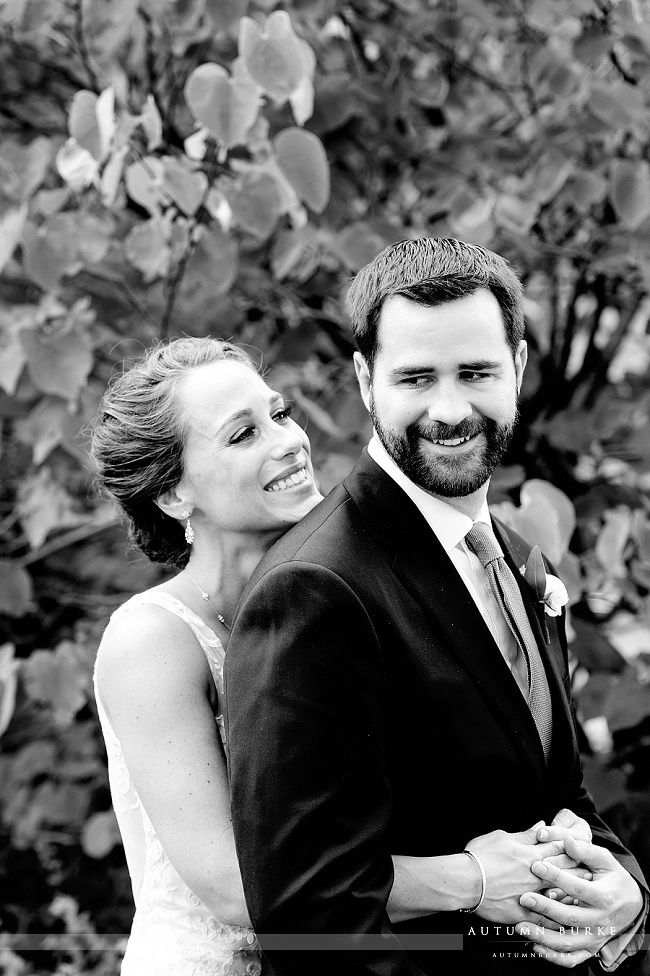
(393, 687)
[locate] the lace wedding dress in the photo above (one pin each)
(173, 932)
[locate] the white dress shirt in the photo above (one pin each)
(450, 528)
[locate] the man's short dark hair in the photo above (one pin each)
(432, 271)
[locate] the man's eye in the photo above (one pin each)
(474, 376)
(242, 435)
(415, 382)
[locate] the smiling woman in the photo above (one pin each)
(209, 469)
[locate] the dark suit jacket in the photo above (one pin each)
(369, 713)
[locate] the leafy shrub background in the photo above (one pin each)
(223, 167)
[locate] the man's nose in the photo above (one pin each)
(448, 405)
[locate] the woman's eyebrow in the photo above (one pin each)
(247, 412)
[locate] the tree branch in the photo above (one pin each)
(610, 350)
(579, 288)
(80, 41)
(67, 539)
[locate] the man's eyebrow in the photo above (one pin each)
(477, 366)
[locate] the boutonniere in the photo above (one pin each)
(550, 592)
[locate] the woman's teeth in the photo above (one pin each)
(297, 478)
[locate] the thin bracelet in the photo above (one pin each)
(483, 883)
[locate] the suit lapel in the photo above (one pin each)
(423, 566)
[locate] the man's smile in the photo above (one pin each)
(452, 444)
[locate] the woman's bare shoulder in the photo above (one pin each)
(148, 641)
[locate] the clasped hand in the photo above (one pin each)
(507, 859)
(575, 895)
(572, 929)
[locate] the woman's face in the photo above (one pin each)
(247, 465)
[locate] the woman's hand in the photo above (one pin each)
(565, 824)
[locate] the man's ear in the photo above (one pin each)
(363, 376)
(174, 502)
(521, 357)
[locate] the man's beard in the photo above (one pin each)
(446, 475)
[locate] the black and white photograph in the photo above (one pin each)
(325, 492)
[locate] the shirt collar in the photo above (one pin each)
(448, 524)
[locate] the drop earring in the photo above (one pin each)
(189, 531)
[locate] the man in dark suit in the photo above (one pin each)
(397, 702)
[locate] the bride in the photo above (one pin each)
(209, 469)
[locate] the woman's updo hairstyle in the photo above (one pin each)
(138, 438)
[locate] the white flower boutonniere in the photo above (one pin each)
(549, 591)
(555, 596)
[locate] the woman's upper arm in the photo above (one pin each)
(154, 682)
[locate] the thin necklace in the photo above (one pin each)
(220, 616)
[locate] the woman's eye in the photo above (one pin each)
(242, 435)
(283, 414)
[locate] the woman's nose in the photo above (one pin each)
(288, 440)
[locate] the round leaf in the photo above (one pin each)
(82, 123)
(146, 248)
(144, 183)
(618, 104)
(8, 682)
(43, 429)
(256, 205)
(185, 187)
(612, 539)
(55, 677)
(23, 167)
(94, 237)
(12, 223)
(50, 251)
(15, 589)
(287, 251)
(628, 705)
(630, 190)
(564, 513)
(76, 165)
(61, 365)
(272, 54)
(585, 189)
(44, 505)
(12, 361)
(227, 108)
(215, 258)
(358, 244)
(100, 834)
(301, 157)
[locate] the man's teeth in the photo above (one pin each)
(454, 441)
(297, 478)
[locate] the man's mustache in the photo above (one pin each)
(443, 432)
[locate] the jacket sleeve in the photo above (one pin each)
(581, 802)
(307, 719)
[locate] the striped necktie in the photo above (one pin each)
(483, 542)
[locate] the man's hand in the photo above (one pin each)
(507, 860)
(565, 824)
(602, 909)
